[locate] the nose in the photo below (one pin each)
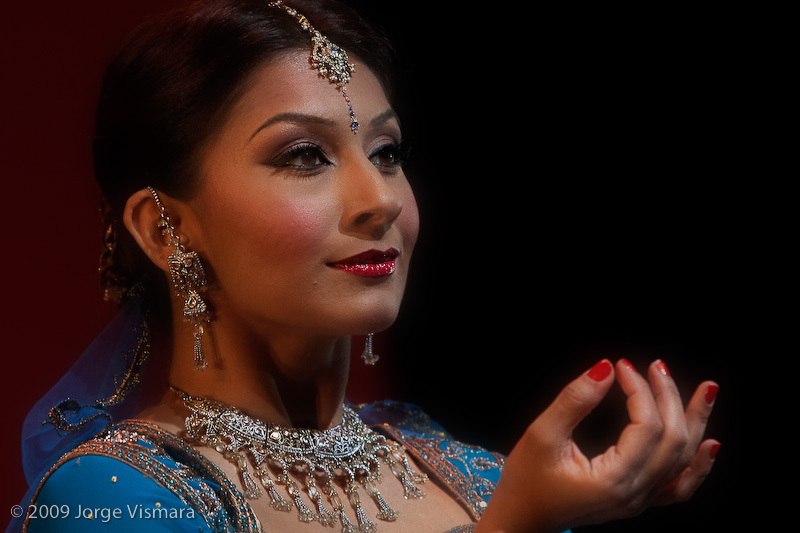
(370, 202)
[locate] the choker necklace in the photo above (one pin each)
(349, 453)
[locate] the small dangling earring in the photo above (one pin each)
(188, 280)
(369, 357)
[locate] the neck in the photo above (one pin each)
(291, 379)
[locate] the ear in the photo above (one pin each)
(141, 218)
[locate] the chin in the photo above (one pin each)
(377, 326)
(373, 318)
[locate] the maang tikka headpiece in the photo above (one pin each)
(188, 281)
(329, 59)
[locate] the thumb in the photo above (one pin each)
(574, 403)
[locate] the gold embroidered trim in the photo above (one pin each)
(470, 490)
(144, 446)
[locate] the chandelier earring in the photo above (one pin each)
(188, 281)
(368, 355)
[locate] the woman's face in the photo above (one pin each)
(306, 226)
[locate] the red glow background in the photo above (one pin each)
(53, 57)
(636, 258)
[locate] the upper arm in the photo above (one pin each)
(97, 493)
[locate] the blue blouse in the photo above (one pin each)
(139, 477)
(98, 493)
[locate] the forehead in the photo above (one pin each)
(288, 84)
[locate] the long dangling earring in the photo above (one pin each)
(369, 357)
(188, 281)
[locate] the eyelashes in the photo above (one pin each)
(308, 159)
(305, 158)
(391, 156)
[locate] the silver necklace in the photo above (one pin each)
(349, 453)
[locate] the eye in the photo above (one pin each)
(390, 157)
(306, 158)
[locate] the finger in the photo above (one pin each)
(693, 476)
(556, 424)
(699, 410)
(642, 434)
(674, 450)
(670, 408)
(668, 398)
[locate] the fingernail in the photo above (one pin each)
(714, 451)
(662, 367)
(711, 394)
(600, 370)
(628, 364)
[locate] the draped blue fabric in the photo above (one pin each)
(96, 493)
(93, 377)
(103, 486)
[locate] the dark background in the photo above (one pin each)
(586, 185)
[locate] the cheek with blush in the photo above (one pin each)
(265, 246)
(408, 222)
(289, 248)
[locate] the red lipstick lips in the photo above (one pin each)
(372, 263)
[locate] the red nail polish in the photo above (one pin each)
(628, 364)
(711, 394)
(662, 367)
(600, 370)
(714, 451)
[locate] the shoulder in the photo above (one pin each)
(93, 492)
(471, 472)
(137, 478)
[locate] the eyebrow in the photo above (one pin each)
(384, 117)
(294, 117)
(299, 118)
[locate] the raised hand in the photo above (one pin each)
(549, 485)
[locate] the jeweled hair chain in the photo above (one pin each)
(330, 60)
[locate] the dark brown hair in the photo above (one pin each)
(173, 83)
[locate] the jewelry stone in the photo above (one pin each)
(188, 279)
(368, 355)
(348, 455)
(330, 60)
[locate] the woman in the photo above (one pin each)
(258, 218)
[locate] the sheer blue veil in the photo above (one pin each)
(96, 391)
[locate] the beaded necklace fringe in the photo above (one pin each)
(349, 453)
